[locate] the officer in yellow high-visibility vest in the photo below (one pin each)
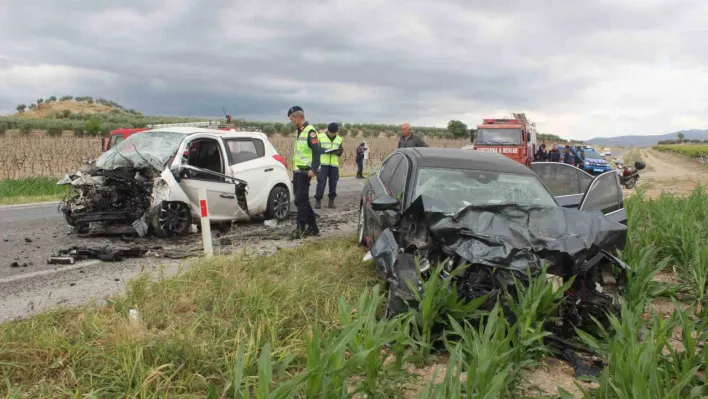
(306, 164)
(331, 145)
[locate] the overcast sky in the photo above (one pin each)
(578, 69)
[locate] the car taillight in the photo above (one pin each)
(280, 159)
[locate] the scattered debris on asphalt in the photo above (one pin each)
(116, 254)
(28, 240)
(500, 242)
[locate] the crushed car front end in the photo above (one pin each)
(132, 187)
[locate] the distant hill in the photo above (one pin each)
(53, 108)
(647, 141)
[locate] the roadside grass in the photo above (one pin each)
(31, 189)
(306, 323)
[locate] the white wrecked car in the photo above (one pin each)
(151, 181)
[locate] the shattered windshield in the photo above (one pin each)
(498, 137)
(459, 188)
(140, 150)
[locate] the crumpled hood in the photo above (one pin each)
(508, 236)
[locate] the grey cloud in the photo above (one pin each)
(487, 55)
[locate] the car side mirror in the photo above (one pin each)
(473, 134)
(176, 172)
(385, 203)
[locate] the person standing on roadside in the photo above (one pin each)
(554, 155)
(541, 154)
(568, 156)
(331, 145)
(409, 139)
(360, 160)
(306, 164)
(579, 157)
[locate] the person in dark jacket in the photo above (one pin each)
(568, 156)
(554, 155)
(541, 154)
(409, 139)
(360, 161)
(579, 157)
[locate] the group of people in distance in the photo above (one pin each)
(569, 155)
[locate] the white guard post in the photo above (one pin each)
(206, 227)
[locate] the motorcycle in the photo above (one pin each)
(628, 175)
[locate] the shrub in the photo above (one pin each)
(79, 132)
(25, 128)
(54, 131)
(92, 126)
(3, 128)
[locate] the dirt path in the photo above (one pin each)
(670, 173)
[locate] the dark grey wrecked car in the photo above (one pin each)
(428, 206)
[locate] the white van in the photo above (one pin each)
(607, 152)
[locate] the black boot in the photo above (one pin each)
(311, 231)
(298, 233)
(331, 204)
(318, 203)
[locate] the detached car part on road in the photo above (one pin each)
(431, 206)
(150, 181)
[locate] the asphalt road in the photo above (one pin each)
(31, 233)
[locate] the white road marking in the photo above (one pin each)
(49, 272)
(28, 206)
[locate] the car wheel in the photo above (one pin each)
(278, 204)
(172, 219)
(361, 231)
(630, 183)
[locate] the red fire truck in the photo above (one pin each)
(118, 135)
(514, 138)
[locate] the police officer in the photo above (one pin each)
(329, 162)
(306, 163)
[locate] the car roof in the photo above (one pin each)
(195, 130)
(457, 158)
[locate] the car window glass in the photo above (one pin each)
(398, 180)
(243, 150)
(388, 168)
(603, 195)
(562, 179)
(117, 139)
(458, 188)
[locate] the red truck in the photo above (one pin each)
(118, 135)
(515, 138)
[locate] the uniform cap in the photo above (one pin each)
(333, 127)
(294, 108)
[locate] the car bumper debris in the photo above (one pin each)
(499, 242)
(71, 255)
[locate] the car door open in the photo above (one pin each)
(200, 163)
(567, 183)
(605, 195)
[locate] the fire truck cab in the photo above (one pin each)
(118, 135)
(515, 138)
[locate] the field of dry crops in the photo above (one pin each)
(38, 155)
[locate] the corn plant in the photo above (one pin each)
(437, 301)
(533, 305)
(371, 339)
(635, 364)
(641, 286)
